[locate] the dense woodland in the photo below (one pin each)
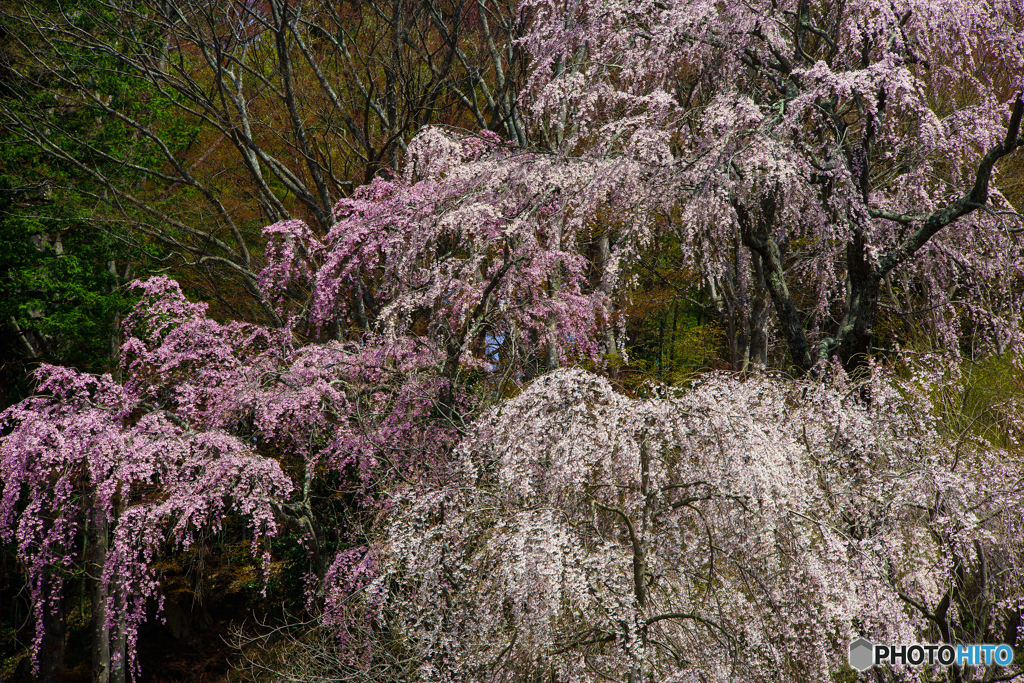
(484, 340)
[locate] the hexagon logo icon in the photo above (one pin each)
(862, 654)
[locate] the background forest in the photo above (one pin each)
(400, 340)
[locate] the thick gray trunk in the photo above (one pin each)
(727, 319)
(760, 240)
(756, 325)
(95, 561)
(118, 649)
(51, 650)
(856, 330)
(109, 663)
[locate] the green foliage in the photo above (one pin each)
(846, 674)
(674, 344)
(59, 299)
(62, 263)
(12, 654)
(986, 405)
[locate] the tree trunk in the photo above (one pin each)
(759, 240)
(95, 561)
(757, 321)
(604, 260)
(118, 646)
(554, 284)
(857, 328)
(52, 647)
(109, 655)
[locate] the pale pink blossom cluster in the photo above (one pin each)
(741, 530)
(212, 422)
(857, 121)
(481, 239)
(89, 451)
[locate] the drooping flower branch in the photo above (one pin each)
(742, 529)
